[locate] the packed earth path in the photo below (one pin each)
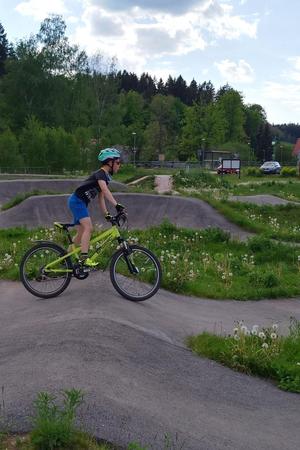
(139, 379)
(130, 359)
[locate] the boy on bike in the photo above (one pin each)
(96, 185)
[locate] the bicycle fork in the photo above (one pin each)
(127, 252)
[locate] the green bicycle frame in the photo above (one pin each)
(105, 238)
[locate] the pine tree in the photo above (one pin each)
(4, 50)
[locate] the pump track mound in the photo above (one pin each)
(10, 188)
(144, 210)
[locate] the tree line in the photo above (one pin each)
(58, 107)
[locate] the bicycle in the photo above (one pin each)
(47, 268)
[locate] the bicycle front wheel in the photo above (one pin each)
(37, 278)
(136, 274)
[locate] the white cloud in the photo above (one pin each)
(169, 6)
(293, 74)
(240, 72)
(287, 95)
(281, 101)
(153, 29)
(40, 9)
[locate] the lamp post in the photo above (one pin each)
(249, 152)
(281, 147)
(273, 149)
(133, 149)
(203, 150)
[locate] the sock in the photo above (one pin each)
(83, 257)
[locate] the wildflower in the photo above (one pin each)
(236, 337)
(275, 326)
(273, 335)
(244, 329)
(262, 335)
(265, 345)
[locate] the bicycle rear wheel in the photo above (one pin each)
(40, 281)
(136, 274)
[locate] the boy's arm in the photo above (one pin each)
(102, 203)
(106, 193)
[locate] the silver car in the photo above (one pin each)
(271, 167)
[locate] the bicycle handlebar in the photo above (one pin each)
(120, 219)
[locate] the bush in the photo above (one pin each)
(253, 172)
(288, 172)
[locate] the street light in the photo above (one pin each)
(203, 149)
(249, 152)
(134, 150)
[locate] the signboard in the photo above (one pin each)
(231, 163)
(161, 157)
(231, 166)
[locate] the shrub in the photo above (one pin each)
(54, 427)
(288, 172)
(253, 172)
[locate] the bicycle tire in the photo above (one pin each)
(30, 268)
(145, 282)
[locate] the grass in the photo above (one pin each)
(256, 352)
(54, 428)
(274, 221)
(130, 173)
(279, 222)
(203, 263)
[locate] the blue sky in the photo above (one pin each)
(251, 44)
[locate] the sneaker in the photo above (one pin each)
(90, 263)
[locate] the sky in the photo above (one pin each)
(250, 44)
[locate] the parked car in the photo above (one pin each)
(271, 167)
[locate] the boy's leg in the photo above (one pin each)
(77, 238)
(87, 228)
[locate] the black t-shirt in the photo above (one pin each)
(90, 188)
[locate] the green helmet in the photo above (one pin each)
(109, 153)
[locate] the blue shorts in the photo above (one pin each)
(78, 208)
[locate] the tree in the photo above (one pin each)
(232, 105)
(254, 117)
(4, 50)
(161, 133)
(33, 144)
(264, 149)
(146, 86)
(206, 93)
(10, 157)
(59, 57)
(203, 123)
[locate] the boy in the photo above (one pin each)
(95, 185)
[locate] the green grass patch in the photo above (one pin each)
(130, 173)
(195, 262)
(289, 190)
(21, 197)
(280, 222)
(256, 351)
(219, 186)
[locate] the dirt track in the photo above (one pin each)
(144, 210)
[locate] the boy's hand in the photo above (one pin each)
(119, 207)
(108, 217)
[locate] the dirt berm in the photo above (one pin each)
(10, 188)
(143, 210)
